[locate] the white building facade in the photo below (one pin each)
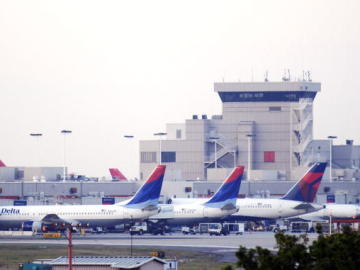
(266, 126)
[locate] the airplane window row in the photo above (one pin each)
(83, 213)
(257, 206)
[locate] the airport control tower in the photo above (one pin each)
(265, 126)
(271, 124)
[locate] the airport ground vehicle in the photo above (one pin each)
(149, 227)
(301, 227)
(139, 228)
(235, 228)
(189, 230)
(278, 228)
(204, 228)
(215, 228)
(309, 227)
(218, 229)
(226, 228)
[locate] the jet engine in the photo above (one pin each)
(34, 226)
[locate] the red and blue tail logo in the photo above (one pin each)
(305, 190)
(2, 164)
(149, 193)
(230, 188)
(116, 174)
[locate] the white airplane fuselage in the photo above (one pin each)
(190, 213)
(270, 208)
(336, 211)
(260, 208)
(93, 215)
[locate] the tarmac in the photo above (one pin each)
(225, 246)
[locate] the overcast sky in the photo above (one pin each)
(107, 68)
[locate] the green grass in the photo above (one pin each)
(12, 254)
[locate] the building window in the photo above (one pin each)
(168, 156)
(269, 156)
(178, 134)
(275, 109)
(148, 157)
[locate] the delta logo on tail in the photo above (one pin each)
(117, 175)
(150, 190)
(2, 164)
(306, 188)
(230, 188)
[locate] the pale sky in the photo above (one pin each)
(107, 68)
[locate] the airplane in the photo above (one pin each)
(336, 211)
(117, 175)
(221, 204)
(45, 217)
(298, 200)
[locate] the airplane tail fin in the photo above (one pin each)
(306, 188)
(2, 164)
(117, 175)
(149, 193)
(229, 190)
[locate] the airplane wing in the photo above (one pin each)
(229, 206)
(54, 220)
(308, 207)
(306, 218)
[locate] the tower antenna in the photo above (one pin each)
(266, 79)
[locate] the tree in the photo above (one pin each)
(337, 251)
(328, 252)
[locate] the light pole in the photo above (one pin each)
(160, 134)
(235, 158)
(330, 221)
(131, 236)
(65, 131)
(37, 136)
(214, 140)
(249, 136)
(330, 162)
(129, 137)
